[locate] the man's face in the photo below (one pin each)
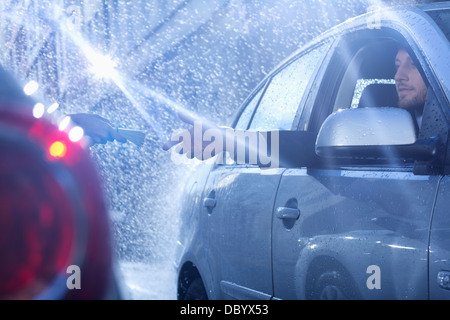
(411, 88)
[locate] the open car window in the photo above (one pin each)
(368, 80)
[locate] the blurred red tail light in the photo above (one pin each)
(52, 214)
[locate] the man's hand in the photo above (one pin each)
(97, 128)
(206, 140)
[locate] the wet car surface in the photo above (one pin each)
(363, 214)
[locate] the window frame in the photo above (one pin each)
(259, 90)
(325, 45)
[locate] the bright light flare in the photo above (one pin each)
(64, 123)
(31, 87)
(103, 67)
(53, 107)
(57, 149)
(38, 110)
(76, 134)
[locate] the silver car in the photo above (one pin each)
(359, 205)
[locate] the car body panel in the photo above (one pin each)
(237, 251)
(356, 219)
(190, 247)
(440, 242)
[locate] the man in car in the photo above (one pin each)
(409, 82)
(411, 87)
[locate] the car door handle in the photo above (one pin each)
(209, 203)
(287, 213)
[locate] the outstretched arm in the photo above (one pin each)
(204, 140)
(267, 149)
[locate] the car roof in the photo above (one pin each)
(434, 5)
(359, 22)
(394, 13)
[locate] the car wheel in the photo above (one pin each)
(333, 285)
(196, 290)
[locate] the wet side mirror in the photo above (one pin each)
(372, 133)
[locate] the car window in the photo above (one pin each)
(282, 98)
(246, 115)
(360, 74)
(366, 88)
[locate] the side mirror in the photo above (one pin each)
(383, 133)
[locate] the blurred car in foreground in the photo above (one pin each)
(55, 237)
(359, 208)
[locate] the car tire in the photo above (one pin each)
(196, 291)
(333, 285)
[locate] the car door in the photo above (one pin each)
(439, 277)
(239, 198)
(439, 271)
(366, 228)
(355, 231)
